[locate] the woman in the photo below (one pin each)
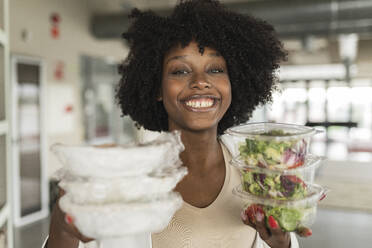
(200, 70)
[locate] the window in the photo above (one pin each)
(343, 111)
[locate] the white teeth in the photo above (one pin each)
(199, 104)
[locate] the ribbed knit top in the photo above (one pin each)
(218, 225)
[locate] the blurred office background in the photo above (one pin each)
(58, 71)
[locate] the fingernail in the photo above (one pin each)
(69, 219)
(322, 197)
(243, 215)
(259, 216)
(308, 233)
(272, 222)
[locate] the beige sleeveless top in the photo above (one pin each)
(218, 225)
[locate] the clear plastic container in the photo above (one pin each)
(280, 184)
(118, 195)
(115, 220)
(99, 191)
(270, 145)
(121, 161)
(290, 214)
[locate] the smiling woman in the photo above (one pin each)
(200, 71)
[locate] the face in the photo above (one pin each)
(196, 90)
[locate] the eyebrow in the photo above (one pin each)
(175, 58)
(215, 54)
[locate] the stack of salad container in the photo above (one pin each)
(119, 195)
(277, 172)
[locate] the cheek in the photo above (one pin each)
(169, 95)
(227, 94)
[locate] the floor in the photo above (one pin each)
(332, 229)
(31, 236)
(339, 229)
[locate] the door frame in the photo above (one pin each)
(44, 185)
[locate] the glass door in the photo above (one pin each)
(102, 117)
(6, 222)
(30, 182)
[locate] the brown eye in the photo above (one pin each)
(179, 72)
(216, 70)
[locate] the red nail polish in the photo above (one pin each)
(69, 219)
(272, 222)
(322, 197)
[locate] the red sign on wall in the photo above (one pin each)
(55, 20)
(59, 71)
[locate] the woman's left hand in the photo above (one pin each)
(274, 236)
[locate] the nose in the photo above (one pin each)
(200, 82)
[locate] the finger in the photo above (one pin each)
(61, 192)
(246, 220)
(274, 227)
(261, 226)
(277, 232)
(74, 231)
(322, 197)
(304, 232)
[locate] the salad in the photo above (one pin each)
(291, 214)
(271, 153)
(277, 186)
(289, 219)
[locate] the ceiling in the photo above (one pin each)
(115, 6)
(292, 19)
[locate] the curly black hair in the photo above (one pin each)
(250, 47)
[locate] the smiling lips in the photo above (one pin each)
(200, 102)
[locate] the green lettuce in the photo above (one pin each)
(288, 218)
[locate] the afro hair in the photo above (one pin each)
(249, 46)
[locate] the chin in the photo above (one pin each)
(201, 127)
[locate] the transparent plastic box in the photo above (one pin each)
(278, 183)
(290, 214)
(119, 195)
(270, 145)
(120, 161)
(99, 191)
(107, 221)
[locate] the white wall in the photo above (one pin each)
(33, 16)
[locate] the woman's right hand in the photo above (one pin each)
(62, 231)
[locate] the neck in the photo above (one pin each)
(202, 151)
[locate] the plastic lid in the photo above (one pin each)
(315, 193)
(119, 161)
(256, 131)
(312, 162)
